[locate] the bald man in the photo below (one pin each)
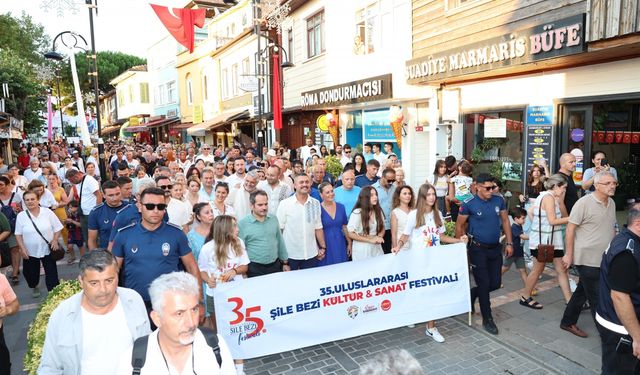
(567, 167)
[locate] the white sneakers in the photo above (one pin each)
(434, 334)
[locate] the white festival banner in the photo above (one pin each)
(290, 310)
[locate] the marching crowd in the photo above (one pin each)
(160, 227)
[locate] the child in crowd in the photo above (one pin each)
(440, 180)
(460, 188)
(518, 215)
(75, 232)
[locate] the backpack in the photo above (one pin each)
(139, 352)
(8, 211)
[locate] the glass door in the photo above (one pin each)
(576, 137)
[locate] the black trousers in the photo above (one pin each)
(386, 245)
(5, 359)
(588, 289)
(31, 271)
(259, 269)
(614, 363)
(486, 265)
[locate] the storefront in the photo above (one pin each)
(533, 94)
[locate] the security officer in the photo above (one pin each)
(102, 216)
(151, 247)
(618, 308)
(485, 213)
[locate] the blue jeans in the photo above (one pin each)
(486, 265)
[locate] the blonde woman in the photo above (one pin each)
(63, 200)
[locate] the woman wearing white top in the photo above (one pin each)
(222, 259)
(425, 228)
(45, 196)
(366, 226)
(218, 205)
(440, 180)
(33, 247)
(402, 204)
(549, 216)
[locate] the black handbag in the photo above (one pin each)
(55, 254)
(545, 252)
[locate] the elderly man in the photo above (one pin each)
(34, 171)
(177, 346)
(205, 154)
(87, 331)
(276, 189)
(591, 227)
(347, 194)
(241, 203)
(299, 218)
(207, 192)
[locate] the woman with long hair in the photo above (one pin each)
(535, 185)
(62, 199)
(334, 226)
(202, 221)
(366, 225)
(425, 228)
(48, 168)
(323, 151)
(359, 164)
(193, 172)
(9, 196)
(401, 205)
(440, 180)
(34, 248)
(218, 205)
(549, 216)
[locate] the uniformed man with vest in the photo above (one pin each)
(151, 247)
(486, 214)
(618, 308)
(102, 216)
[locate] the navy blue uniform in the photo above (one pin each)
(128, 215)
(620, 271)
(101, 219)
(485, 251)
(363, 180)
(516, 231)
(149, 254)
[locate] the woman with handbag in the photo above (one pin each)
(546, 241)
(37, 233)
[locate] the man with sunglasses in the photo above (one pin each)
(179, 212)
(486, 213)
(345, 155)
(151, 247)
(385, 189)
(102, 216)
(205, 154)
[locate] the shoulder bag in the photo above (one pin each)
(55, 254)
(545, 252)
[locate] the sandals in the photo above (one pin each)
(15, 280)
(530, 303)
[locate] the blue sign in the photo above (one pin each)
(377, 126)
(540, 115)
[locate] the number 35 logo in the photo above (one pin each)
(246, 316)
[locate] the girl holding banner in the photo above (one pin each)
(425, 228)
(366, 226)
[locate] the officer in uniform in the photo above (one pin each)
(618, 308)
(485, 213)
(151, 247)
(102, 216)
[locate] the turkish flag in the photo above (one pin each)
(180, 22)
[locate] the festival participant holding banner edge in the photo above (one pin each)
(425, 228)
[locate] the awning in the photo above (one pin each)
(110, 129)
(198, 130)
(244, 115)
(136, 129)
(161, 122)
(182, 126)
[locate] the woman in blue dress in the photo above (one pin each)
(334, 225)
(202, 221)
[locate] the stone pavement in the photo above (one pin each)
(529, 342)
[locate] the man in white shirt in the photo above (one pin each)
(88, 330)
(380, 156)
(299, 218)
(183, 161)
(235, 180)
(88, 190)
(305, 151)
(241, 204)
(218, 169)
(205, 154)
(34, 171)
(132, 162)
(78, 162)
(346, 155)
(178, 346)
(275, 189)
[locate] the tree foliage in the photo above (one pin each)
(22, 44)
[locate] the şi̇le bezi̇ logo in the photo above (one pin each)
(369, 308)
(352, 311)
(245, 325)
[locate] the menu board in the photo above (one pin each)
(538, 144)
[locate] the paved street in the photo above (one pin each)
(529, 342)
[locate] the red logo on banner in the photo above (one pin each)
(385, 305)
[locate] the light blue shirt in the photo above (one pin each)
(385, 198)
(206, 197)
(348, 198)
(367, 157)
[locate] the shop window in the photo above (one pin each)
(189, 90)
(144, 93)
(245, 66)
(315, 34)
(131, 96)
(491, 152)
(366, 30)
(172, 96)
(121, 98)
(234, 79)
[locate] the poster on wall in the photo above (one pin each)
(495, 128)
(377, 127)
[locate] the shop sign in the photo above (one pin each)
(197, 114)
(249, 83)
(362, 91)
(538, 141)
(495, 128)
(377, 127)
(540, 115)
(553, 39)
(134, 121)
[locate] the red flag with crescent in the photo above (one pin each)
(180, 22)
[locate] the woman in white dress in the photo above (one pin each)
(366, 226)
(402, 204)
(425, 228)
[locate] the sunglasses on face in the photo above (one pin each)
(152, 206)
(489, 188)
(166, 187)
